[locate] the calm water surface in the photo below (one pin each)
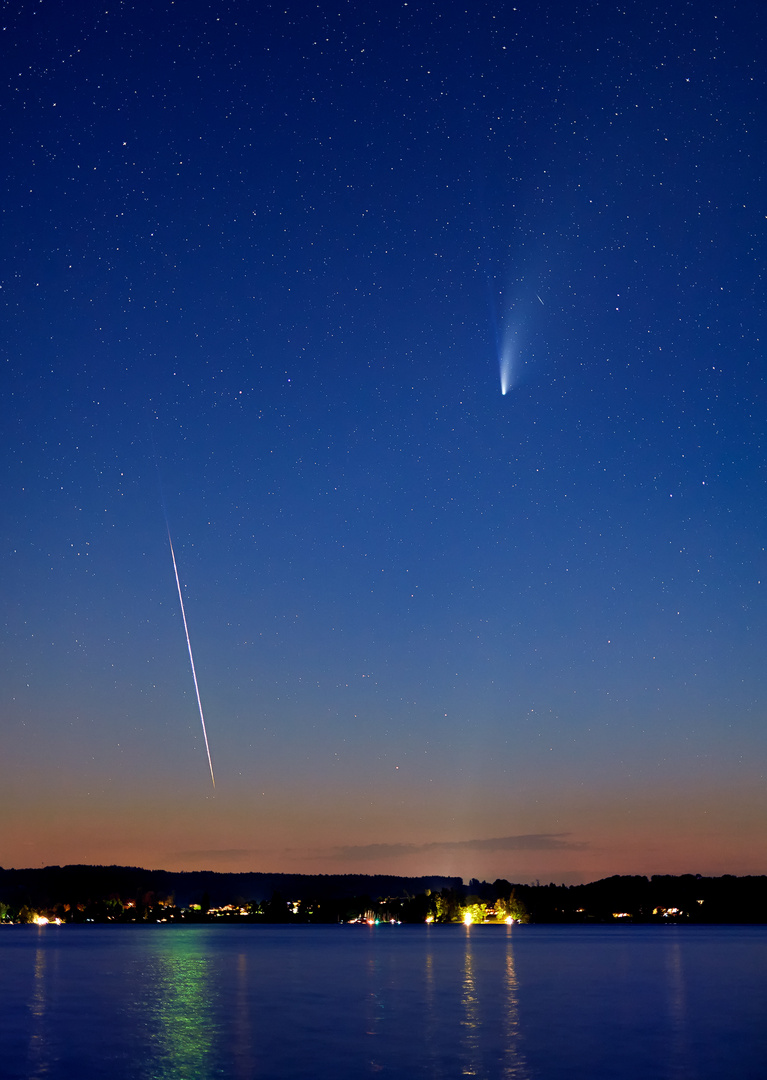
(527, 1002)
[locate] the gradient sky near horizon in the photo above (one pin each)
(263, 268)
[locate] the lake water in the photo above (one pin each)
(344, 1002)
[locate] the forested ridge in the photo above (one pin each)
(81, 893)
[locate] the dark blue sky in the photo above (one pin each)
(262, 264)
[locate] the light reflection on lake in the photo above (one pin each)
(36, 1059)
(471, 1021)
(178, 1006)
(514, 1064)
(242, 1040)
(520, 1003)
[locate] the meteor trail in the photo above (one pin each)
(181, 602)
(191, 659)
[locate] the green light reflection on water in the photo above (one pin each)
(180, 1006)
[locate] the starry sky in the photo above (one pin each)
(266, 269)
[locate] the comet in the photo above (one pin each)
(505, 366)
(506, 358)
(503, 345)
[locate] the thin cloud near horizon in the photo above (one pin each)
(214, 853)
(524, 842)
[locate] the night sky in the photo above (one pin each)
(264, 268)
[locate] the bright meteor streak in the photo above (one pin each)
(191, 659)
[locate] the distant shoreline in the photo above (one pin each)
(83, 894)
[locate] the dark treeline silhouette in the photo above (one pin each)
(129, 894)
(684, 898)
(49, 886)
